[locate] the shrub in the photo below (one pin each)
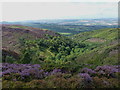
(36, 84)
(105, 82)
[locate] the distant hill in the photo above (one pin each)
(69, 27)
(11, 35)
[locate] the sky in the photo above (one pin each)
(20, 11)
(59, 0)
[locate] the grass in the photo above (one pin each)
(65, 33)
(17, 26)
(105, 34)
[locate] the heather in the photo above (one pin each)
(33, 76)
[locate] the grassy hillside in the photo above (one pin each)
(102, 47)
(103, 34)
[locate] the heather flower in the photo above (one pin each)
(36, 65)
(101, 72)
(107, 70)
(23, 69)
(55, 71)
(86, 77)
(46, 73)
(0, 74)
(24, 73)
(98, 68)
(89, 71)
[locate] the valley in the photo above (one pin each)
(40, 57)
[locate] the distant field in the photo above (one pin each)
(68, 27)
(18, 26)
(65, 33)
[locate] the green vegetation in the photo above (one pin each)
(65, 34)
(106, 34)
(98, 47)
(57, 50)
(100, 52)
(13, 34)
(70, 55)
(67, 28)
(18, 26)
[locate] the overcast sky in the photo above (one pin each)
(59, 0)
(58, 10)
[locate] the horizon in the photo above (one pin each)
(61, 19)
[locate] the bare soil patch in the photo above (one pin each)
(96, 40)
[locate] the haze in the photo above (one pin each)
(20, 11)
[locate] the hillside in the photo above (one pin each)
(12, 34)
(85, 60)
(101, 34)
(102, 47)
(96, 47)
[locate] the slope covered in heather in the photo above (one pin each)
(12, 34)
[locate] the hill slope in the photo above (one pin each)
(11, 35)
(98, 47)
(102, 47)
